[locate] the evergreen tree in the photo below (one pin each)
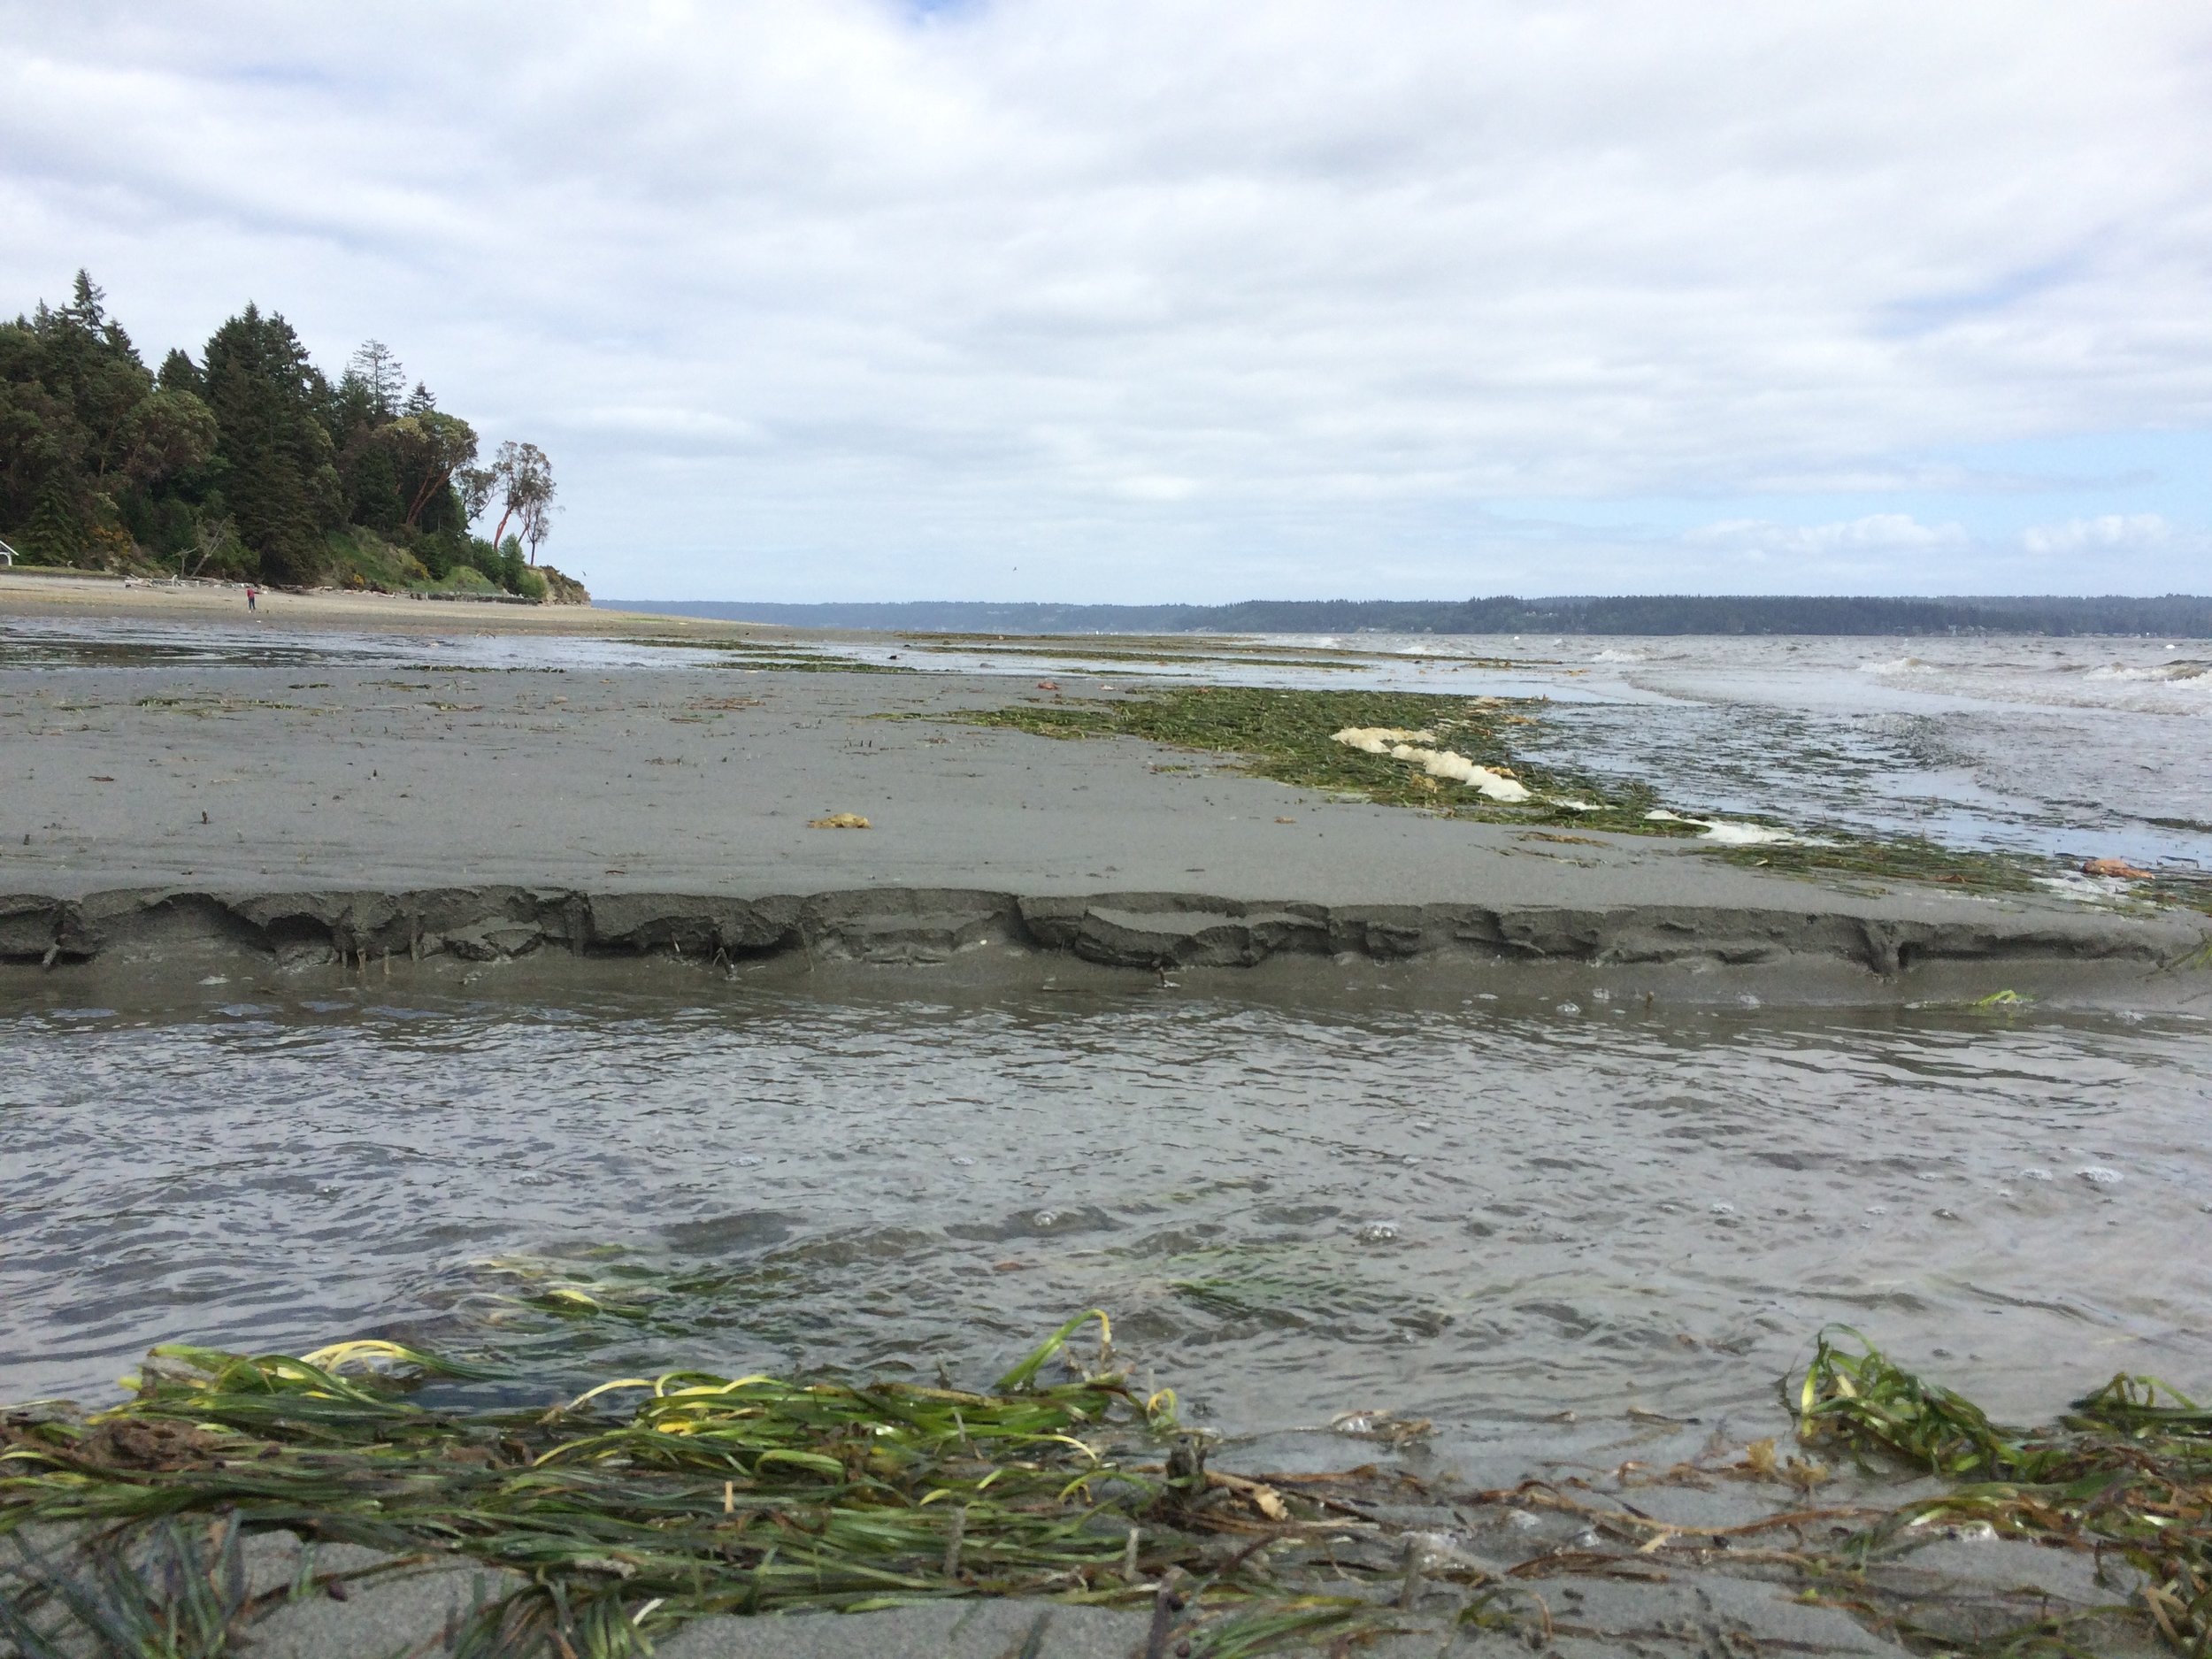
(86, 436)
(279, 481)
(378, 372)
(179, 373)
(57, 532)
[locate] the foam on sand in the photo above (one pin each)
(1729, 831)
(1490, 782)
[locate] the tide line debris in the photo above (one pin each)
(611, 1519)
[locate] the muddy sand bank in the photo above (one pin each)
(325, 813)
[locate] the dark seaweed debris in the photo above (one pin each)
(2127, 1472)
(648, 1502)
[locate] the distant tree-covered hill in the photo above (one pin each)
(251, 463)
(2176, 615)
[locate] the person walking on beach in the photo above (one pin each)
(252, 594)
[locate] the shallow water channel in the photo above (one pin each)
(1464, 1209)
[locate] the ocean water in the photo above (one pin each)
(2081, 748)
(1480, 1211)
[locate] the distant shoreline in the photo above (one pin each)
(2177, 615)
(82, 594)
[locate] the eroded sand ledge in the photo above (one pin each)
(920, 925)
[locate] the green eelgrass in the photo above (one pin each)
(1290, 736)
(181, 1599)
(2128, 1469)
(648, 1501)
(1898, 858)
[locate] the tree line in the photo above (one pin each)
(2177, 615)
(251, 463)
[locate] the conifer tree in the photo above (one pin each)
(84, 434)
(279, 481)
(179, 373)
(379, 373)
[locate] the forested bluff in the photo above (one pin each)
(2175, 616)
(252, 464)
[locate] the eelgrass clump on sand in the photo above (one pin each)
(2192, 891)
(648, 1502)
(1290, 736)
(1898, 858)
(2127, 1473)
(1979, 870)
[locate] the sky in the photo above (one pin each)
(1200, 301)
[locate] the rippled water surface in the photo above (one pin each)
(1477, 1211)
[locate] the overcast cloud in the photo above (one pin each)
(1199, 300)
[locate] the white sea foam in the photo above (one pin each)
(1727, 831)
(1491, 784)
(2185, 672)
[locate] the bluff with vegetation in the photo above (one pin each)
(251, 463)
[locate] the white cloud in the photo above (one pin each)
(2108, 530)
(1159, 486)
(1888, 531)
(1177, 298)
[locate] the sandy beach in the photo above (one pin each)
(26, 593)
